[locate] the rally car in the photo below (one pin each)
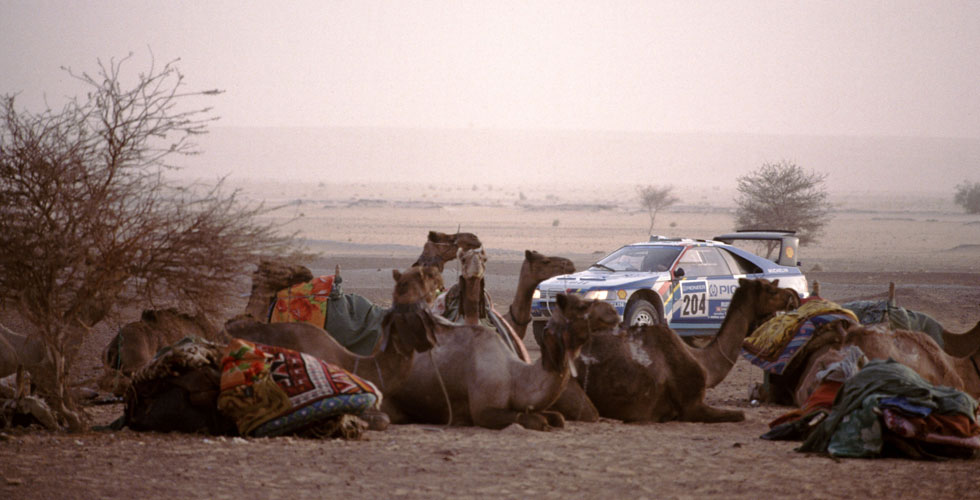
(687, 283)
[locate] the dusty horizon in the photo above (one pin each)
(549, 160)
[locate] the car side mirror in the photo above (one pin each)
(679, 272)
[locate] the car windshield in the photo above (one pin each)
(640, 258)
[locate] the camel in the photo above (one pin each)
(941, 357)
(19, 350)
(472, 378)
(24, 362)
(474, 304)
(649, 374)
(440, 248)
(405, 331)
(137, 342)
(953, 365)
(535, 269)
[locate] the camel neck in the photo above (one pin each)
(719, 357)
(520, 308)
(470, 300)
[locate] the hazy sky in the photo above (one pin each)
(894, 68)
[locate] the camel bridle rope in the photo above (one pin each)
(442, 385)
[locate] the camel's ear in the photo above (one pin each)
(396, 274)
(433, 236)
(562, 301)
(528, 254)
(775, 282)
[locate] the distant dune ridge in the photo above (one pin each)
(580, 157)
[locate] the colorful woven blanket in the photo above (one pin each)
(773, 345)
(271, 391)
(303, 303)
(349, 318)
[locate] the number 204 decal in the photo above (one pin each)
(694, 300)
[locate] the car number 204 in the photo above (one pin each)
(694, 300)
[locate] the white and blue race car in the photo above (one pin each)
(686, 282)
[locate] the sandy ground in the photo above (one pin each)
(932, 256)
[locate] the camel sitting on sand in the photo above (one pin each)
(137, 342)
(941, 358)
(954, 365)
(648, 374)
(468, 299)
(472, 378)
(19, 350)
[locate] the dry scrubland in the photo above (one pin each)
(921, 242)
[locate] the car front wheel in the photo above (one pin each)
(642, 312)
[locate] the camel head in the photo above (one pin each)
(763, 298)
(466, 241)
(542, 267)
(419, 284)
(473, 263)
(571, 328)
(409, 325)
(270, 277)
(440, 248)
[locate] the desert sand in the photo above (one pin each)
(923, 244)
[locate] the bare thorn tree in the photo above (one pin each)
(655, 199)
(89, 223)
(783, 196)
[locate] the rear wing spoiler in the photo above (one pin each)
(788, 243)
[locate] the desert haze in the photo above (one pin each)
(928, 249)
(584, 159)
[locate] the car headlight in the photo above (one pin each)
(597, 295)
(536, 294)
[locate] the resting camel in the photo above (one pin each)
(19, 350)
(468, 299)
(137, 342)
(956, 364)
(484, 382)
(405, 331)
(648, 374)
(941, 357)
(440, 248)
